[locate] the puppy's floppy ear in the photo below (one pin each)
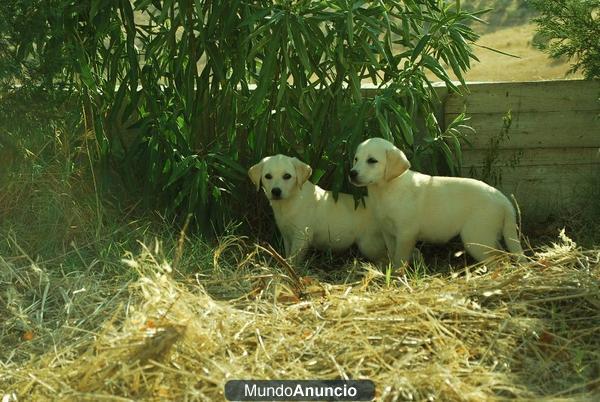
(303, 171)
(396, 163)
(255, 173)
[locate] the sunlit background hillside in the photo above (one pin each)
(509, 29)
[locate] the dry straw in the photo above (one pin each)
(530, 331)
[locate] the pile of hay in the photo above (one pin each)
(527, 331)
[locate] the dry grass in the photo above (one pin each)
(528, 331)
(532, 64)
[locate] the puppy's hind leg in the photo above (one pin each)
(509, 232)
(481, 243)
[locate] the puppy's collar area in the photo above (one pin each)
(381, 187)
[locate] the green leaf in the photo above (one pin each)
(419, 47)
(457, 150)
(448, 156)
(179, 169)
(300, 46)
(383, 124)
(350, 27)
(267, 73)
(435, 67)
(496, 51)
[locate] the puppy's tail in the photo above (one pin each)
(509, 231)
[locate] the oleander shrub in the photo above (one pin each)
(182, 97)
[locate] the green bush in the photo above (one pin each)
(183, 96)
(571, 28)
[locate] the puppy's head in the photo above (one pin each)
(281, 176)
(377, 161)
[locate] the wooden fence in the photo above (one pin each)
(537, 140)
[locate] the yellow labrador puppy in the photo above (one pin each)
(410, 206)
(307, 215)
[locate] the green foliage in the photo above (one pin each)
(571, 29)
(183, 96)
(32, 47)
(491, 172)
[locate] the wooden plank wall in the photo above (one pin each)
(549, 157)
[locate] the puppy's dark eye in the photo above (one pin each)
(287, 176)
(371, 161)
(268, 176)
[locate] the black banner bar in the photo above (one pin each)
(300, 390)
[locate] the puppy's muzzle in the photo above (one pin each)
(354, 176)
(276, 193)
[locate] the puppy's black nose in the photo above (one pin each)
(276, 192)
(353, 174)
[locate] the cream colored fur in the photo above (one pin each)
(410, 206)
(307, 215)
